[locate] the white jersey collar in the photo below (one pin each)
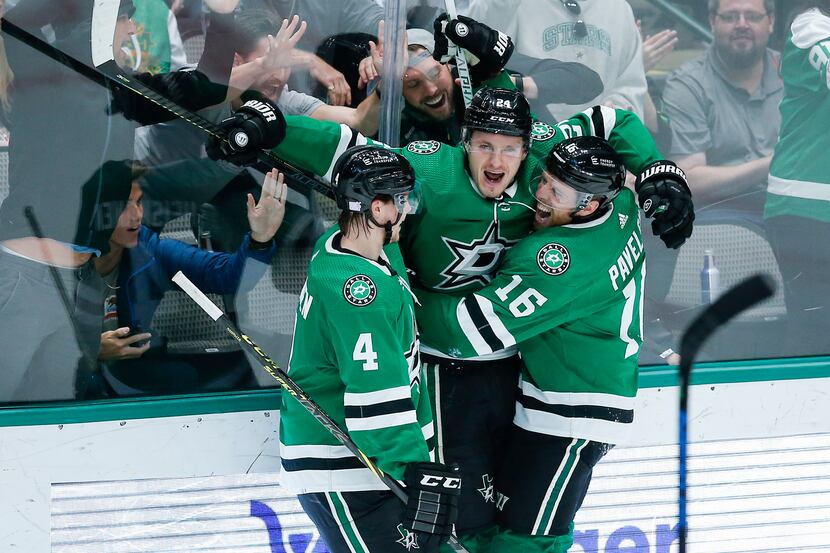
(332, 250)
(595, 222)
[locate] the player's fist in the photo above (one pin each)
(487, 49)
(432, 508)
(257, 125)
(663, 193)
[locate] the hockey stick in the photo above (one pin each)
(460, 59)
(109, 73)
(740, 297)
(294, 389)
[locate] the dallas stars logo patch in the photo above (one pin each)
(424, 146)
(360, 290)
(408, 539)
(475, 261)
(541, 131)
(554, 259)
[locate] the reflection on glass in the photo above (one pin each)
(85, 296)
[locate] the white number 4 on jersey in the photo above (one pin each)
(363, 351)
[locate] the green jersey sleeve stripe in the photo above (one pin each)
(484, 330)
(313, 481)
(499, 329)
(809, 28)
(551, 424)
(798, 188)
(428, 430)
(475, 327)
(597, 122)
(578, 398)
(377, 409)
(379, 396)
(381, 421)
(348, 138)
(318, 451)
(603, 120)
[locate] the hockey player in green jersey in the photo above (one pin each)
(570, 296)
(798, 190)
(355, 352)
(475, 204)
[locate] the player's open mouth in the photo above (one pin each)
(541, 215)
(493, 178)
(436, 101)
(133, 229)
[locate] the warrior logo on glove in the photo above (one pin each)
(263, 108)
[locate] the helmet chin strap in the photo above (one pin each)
(387, 226)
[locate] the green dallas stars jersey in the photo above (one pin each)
(799, 181)
(456, 240)
(571, 298)
(355, 352)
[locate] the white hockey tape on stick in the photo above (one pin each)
(198, 296)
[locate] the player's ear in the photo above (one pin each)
(592, 206)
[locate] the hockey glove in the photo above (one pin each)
(257, 125)
(487, 50)
(664, 194)
(432, 508)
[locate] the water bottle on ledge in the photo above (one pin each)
(709, 279)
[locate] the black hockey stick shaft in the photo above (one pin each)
(110, 73)
(287, 384)
(734, 301)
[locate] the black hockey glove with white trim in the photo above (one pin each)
(664, 194)
(432, 508)
(487, 49)
(257, 125)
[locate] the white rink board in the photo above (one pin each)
(760, 478)
(739, 502)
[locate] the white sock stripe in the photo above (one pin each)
(340, 523)
(565, 483)
(439, 430)
(352, 523)
(536, 530)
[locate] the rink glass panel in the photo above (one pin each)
(62, 153)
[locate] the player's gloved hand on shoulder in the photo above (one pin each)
(664, 194)
(432, 508)
(487, 49)
(257, 125)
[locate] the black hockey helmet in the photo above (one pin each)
(498, 111)
(363, 173)
(589, 165)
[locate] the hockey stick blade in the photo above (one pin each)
(287, 384)
(742, 296)
(736, 300)
(109, 73)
